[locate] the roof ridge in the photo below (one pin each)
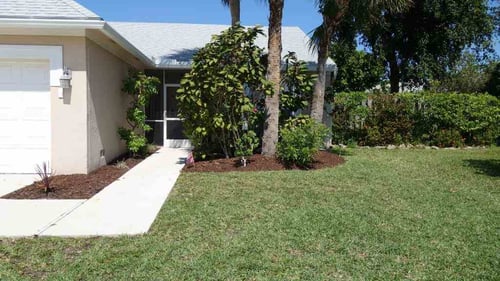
(81, 9)
(45, 9)
(200, 24)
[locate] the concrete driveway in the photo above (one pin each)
(12, 182)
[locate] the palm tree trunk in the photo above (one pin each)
(234, 6)
(270, 137)
(318, 99)
(320, 85)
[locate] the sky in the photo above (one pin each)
(300, 13)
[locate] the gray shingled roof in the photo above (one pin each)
(45, 9)
(173, 44)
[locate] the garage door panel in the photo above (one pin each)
(36, 138)
(24, 115)
(35, 74)
(7, 142)
(9, 164)
(8, 113)
(9, 73)
(35, 113)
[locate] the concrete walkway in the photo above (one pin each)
(128, 206)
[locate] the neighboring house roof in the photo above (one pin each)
(45, 9)
(174, 44)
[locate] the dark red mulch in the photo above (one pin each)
(77, 186)
(323, 159)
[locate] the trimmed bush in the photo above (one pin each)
(300, 140)
(442, 119)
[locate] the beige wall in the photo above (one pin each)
(106, 105)
(85, 121)
(69, 124)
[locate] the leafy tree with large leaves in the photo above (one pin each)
(217, 114)
(270, 137)
(334, 12)
(425, 41)
(297, 84)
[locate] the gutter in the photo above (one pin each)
(311, 66)
(51, 23)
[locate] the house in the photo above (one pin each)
(75, 128)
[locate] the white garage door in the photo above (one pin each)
(24, 115)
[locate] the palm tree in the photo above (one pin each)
(234, 7)
(270, 137)
(333, 13)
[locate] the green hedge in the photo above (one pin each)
(442, 119)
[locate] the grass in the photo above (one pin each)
(384, 215)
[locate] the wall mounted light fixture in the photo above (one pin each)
(65, 80)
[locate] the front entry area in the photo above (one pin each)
(24, 115)
(162, 111)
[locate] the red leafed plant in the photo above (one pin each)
(45, 176)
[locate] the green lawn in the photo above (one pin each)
(384, 215)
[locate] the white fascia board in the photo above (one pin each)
(76, 25)
(120, 40)
(51, 23)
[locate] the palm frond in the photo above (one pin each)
(315, 38)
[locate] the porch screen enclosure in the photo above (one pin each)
(162, 111)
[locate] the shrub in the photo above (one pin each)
(444, 119)
(349, 114)
(300, 140)
(140, 87)
(246, 144)
(447, 138)
(389, 121)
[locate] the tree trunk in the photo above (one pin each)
(394, 76)
(270, 137)
(234, 6)
(318, 99)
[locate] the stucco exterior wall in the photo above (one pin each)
(106, 105)
(68, 115)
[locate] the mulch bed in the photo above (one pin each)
(323, 159)
(77, 186)
(81, 186)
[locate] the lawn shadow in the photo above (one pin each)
(341, 151)
(490, 167)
